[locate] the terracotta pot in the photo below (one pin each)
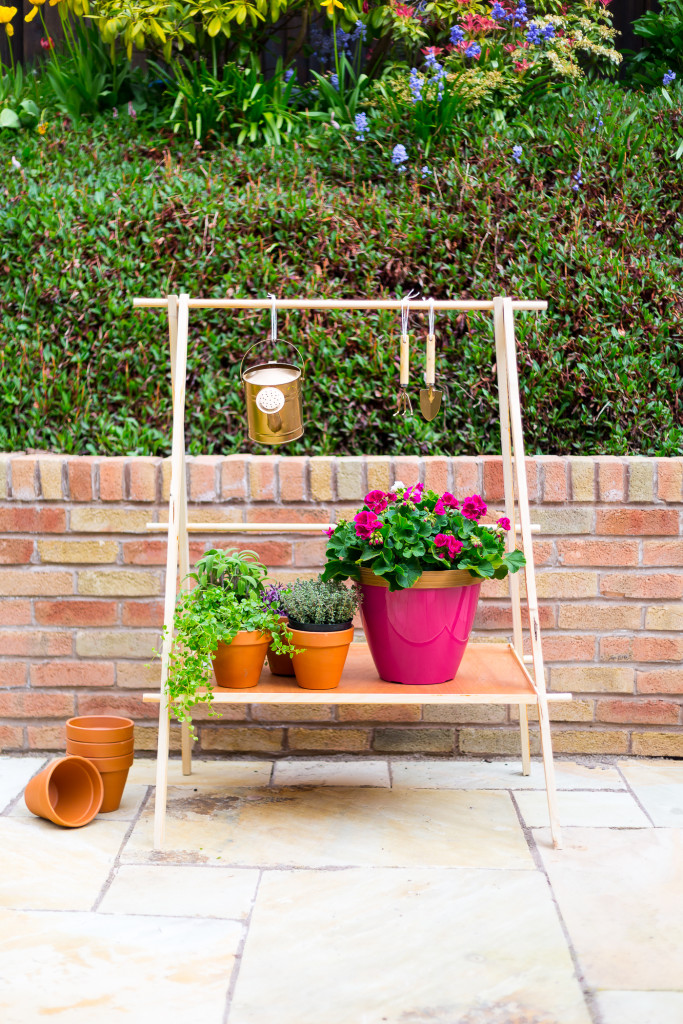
(99, 729)
(69, 792)
(418, 636)
(280, 664)
(323, 655)
(100, 749)
(114, 772)
(238, 665)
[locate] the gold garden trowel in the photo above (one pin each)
(430, 397)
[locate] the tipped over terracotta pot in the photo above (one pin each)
(69, 792)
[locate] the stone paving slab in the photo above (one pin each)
(405, 947)
(97, 969)
(659, 787)
(331, 773)
(15, 772)
(166, 890)
(500, 775)
(336, 827)
(640, 1007)
(583, 809)
(620, 893)
(204, 773)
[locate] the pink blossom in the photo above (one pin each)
(377, 501)
(473, 507)
(449, 500)
(450, 546)
(366, 524)
(440, 508)
(329, 531)
(405, 12)
(504, 522)
(414, 494)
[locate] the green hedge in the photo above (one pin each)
(98, 214)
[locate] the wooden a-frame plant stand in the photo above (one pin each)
(490, 673)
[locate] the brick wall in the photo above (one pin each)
(82, 584)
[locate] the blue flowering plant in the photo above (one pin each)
(401, 533)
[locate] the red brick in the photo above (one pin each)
(15, 550)
(436, 474)
(564, 647)
(493, 478)
(658, 648)
(24, 478)
(616, 648)
(642, 712)
(234, 477)
(654, 584)
(129, 705)
(69, 612)
(292, 472)
(203, 475)
(543, 552)
(262, 478)
(46, 737)
(36, 705)
(73, 673)
(143, 613)
(531, 480)
(275, 514)
(143, 478)
(628, 522)
(112, 478)
(499, 616)
(554, 477)
(407, 470)
(11, 737)
(670, 480)
(15, 613)
(144, 552)
(465, 470)
(270, 552)
(34, 643)
(663, 680)
(31, 519)
(610, 479)
(80, 473)
(310, 552)
(597, 552)
(663, 552)
(13, 673)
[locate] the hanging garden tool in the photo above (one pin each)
(430, 397)
(272, 391)
(403, 404)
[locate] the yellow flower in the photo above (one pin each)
(6, 14)
(330, 5)
(9, 30)
(41, 128)
(34, 10)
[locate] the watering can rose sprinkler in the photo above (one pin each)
(272, 391)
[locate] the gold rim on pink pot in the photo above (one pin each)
(431, 579)
(99, 728)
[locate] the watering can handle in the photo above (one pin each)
(273, 360)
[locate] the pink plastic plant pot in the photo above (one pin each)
(418, 636)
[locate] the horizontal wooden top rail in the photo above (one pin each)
(443, 304)
(270, 527)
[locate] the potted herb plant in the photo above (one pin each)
(320, 618)
(222, 623)
(273, 597)
(420, 559)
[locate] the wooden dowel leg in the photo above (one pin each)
(524, 739)
(186, 748)
(549, 771)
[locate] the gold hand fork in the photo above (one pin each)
(430, 397)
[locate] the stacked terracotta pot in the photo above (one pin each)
(108, 744)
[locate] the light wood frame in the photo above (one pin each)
(516, 508)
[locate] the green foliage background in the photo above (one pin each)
(100, 213)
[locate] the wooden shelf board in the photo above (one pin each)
(489, 674)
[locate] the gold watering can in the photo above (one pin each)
(272, 391)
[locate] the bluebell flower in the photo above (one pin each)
(549, 32)
(517, 154)
(519, 16)
(578, 181)
(362, 126)
(289, 73)
(457, 35)
(359, 33)
(533, 34)
(399, 156)
(426, 171)
(343, 39)
(334, 79)
(669, 77)
(415, 84)
(473, 50)
(498, 12)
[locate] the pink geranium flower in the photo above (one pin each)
(414, 494)
(473, 507)
(366, 524)
(329, 531)
(377, 501)
(448, 546)
(504, 522)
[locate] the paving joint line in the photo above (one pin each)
(117, 859)
(587, 993)
(234, 974)
(15, 799)
(629, 789)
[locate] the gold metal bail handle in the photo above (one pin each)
(291, 345)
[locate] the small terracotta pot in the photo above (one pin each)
(69, 792)
(280, 664)
(114, 772)
(100, 749)
(238, 665)
(99, 729)
(323, 655)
